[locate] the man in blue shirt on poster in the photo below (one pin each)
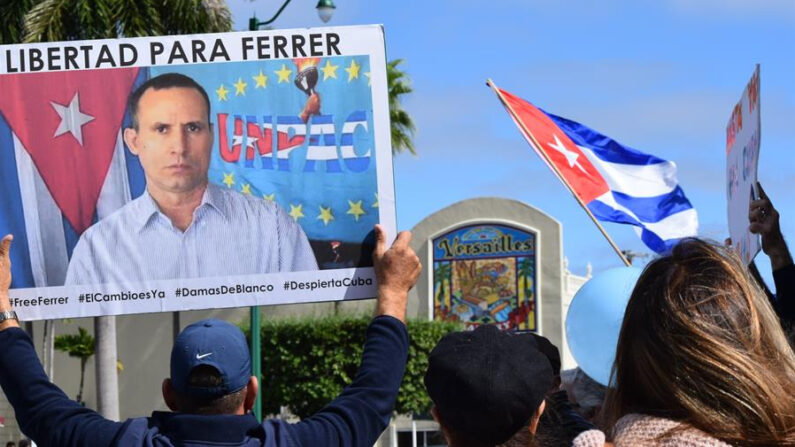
(183, 226)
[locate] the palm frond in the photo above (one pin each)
(179, 16)
(402, 126)
(12, 20)
(79, 345)
(49, 20)
(219, 18)
(194, 16)
(136, 18)
(94, 20)
(45, 22)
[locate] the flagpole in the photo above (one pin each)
(533, 142)
(256, 357)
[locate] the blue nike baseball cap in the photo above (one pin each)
(213, 343)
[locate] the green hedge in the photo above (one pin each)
(306, 363)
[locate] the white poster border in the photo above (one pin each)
(262, 289)
(743, 137)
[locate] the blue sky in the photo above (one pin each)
(661, 76)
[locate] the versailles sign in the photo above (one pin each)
(486, 273)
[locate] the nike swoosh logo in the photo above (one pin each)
(201, 356)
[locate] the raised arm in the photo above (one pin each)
(764, 220)
(359, 415)
(396, 270)
(43, 411)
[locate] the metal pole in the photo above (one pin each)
(49, 348)
(175, 326)
(254, 25)
(107, 375)
(256, 326)
(256, 358)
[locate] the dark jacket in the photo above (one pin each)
(784, 278)
(560, 423)
(355, 418)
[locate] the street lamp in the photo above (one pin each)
(325, 9)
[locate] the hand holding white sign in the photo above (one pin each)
(397, 270)
(5, 283)
(764, 221)
(743, 134)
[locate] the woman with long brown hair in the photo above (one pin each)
(701, 357)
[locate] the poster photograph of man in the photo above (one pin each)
(180, 211)
(153, 177)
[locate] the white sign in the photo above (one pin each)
(742, 156)
(191, 172)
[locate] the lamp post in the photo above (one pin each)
(325, 9)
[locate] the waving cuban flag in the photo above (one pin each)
(617, 183)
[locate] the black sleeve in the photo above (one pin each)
(43, 411)
(362, 411)
(560, 423)
(784, 278)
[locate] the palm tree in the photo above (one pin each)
(526, 273)
(12, 20)
(80, 345)
(441, 273)
(402, 126)
(53, 20)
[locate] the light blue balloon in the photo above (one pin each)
(594, 320)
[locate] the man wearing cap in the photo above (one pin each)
(211, 389)
(489, 387)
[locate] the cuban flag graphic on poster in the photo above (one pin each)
(617, 183)
(63, 165)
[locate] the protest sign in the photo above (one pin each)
(742, 156)
(102, 198)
